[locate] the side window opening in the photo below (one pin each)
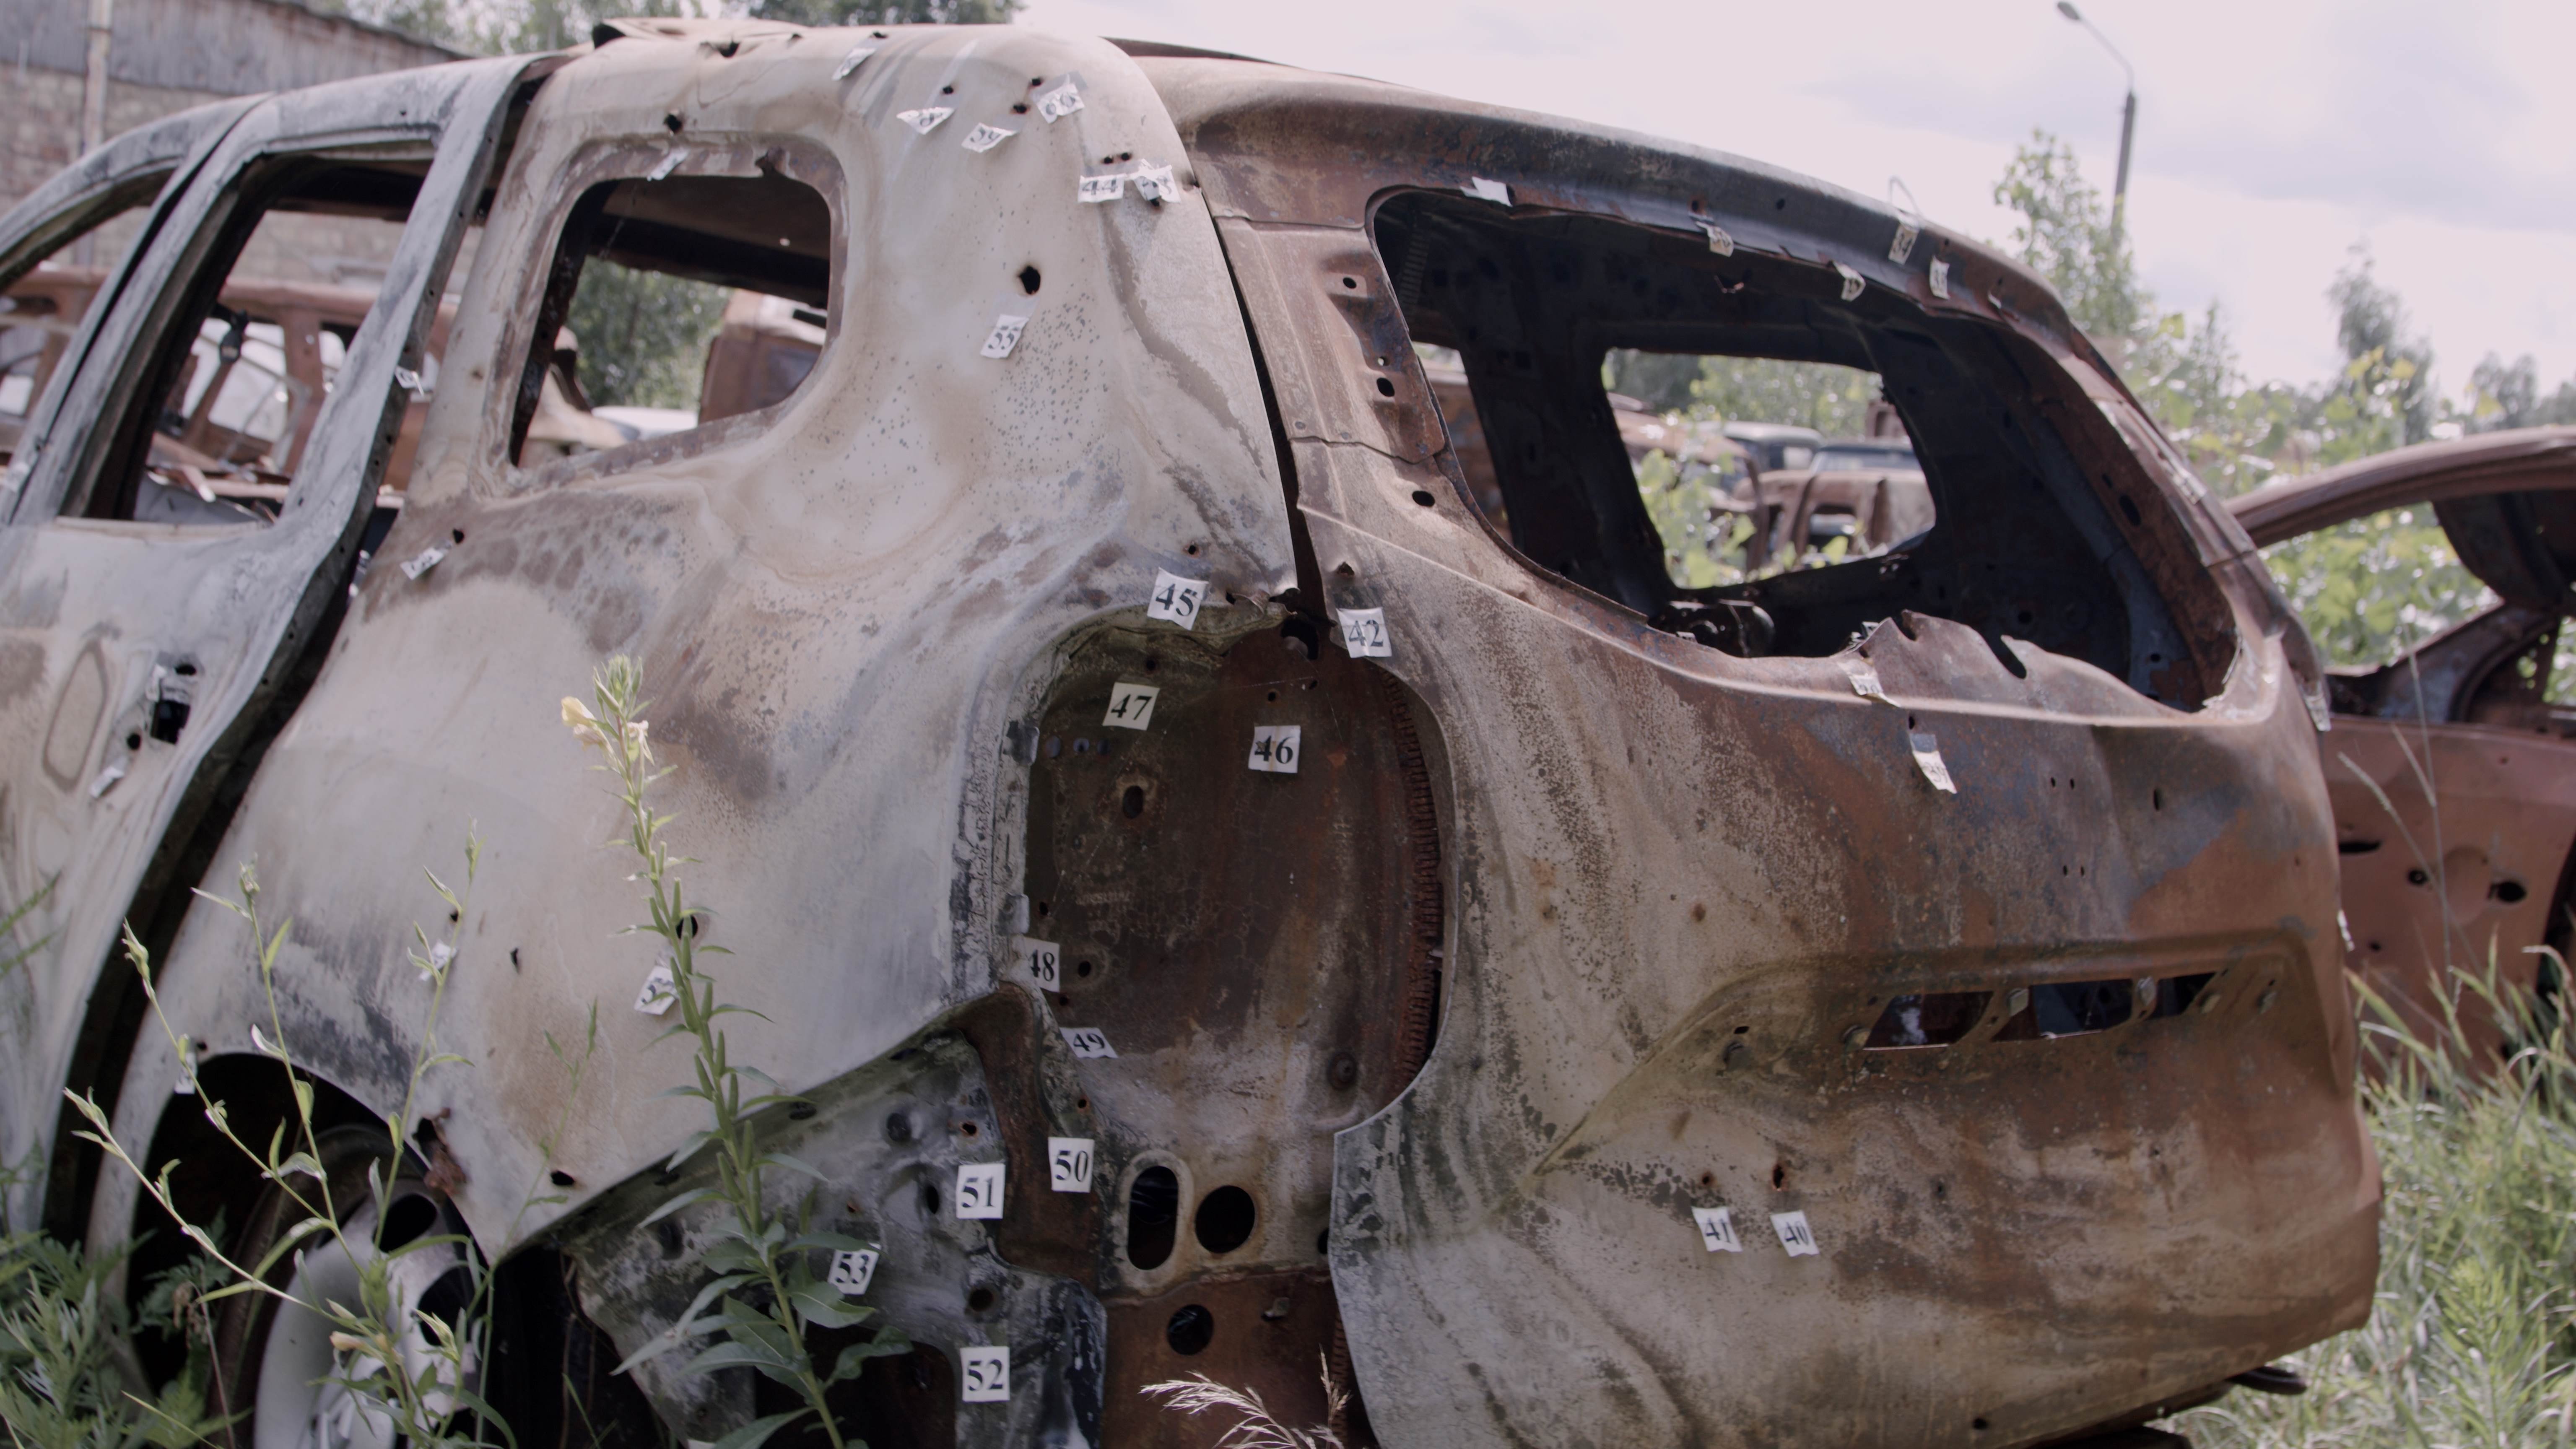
(1710, 500)
(239, 368)
(43, 306)
(674, 300)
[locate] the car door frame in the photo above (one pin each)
(280, 586)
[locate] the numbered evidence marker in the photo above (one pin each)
(1040, 961)
(1069, 1164)
(1131, 706)
(1927, 757)
(1059, 103)
(1005, 335)
(1364, 634)
(852, 1271)
(1274, 748)
(661, 988)
(1176, 599)
(925, 120)
(986, 1376)
(1717, 1229)
(979, 1189)
(1095, 189)
(1088, 1042)
(987, 136)
(1795, 1235)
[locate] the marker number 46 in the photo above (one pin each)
(1274, 748)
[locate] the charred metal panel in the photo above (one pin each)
(1688, 887)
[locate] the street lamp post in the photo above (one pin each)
(2128, 117)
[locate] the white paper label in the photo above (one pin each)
(986, 136)
(1176, 599)
(1040, 961)
(1005, 335)
(850, 62)
(979, 1189)
(187, 1087)
(1852, 282)
(107, 779)
(1940, 279)
(1069, 1164)
(1131, 706)
(1927, 754)
(1903, 247)
(410, 382)
(1154, 183)
(1484, 190)
(854, 1270)
(1274, 749)
(1717, 1229)
(661, 989)
(1864, 681)
(986, 1374)
(1718, 241)
(925, 120)
(1795, 1235)
(1059, 103)
(669, 163)
(1096, 189)
(1088, 1043)
(423, 561)
(1364, 634)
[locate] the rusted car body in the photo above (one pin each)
(1972, 950)
(2453, 776)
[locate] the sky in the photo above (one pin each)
(2273, 136)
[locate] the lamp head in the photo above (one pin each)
(2067, 9)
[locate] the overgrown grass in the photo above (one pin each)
(2472, 1344)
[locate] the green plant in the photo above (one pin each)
(68, 1375)
(766, 1293)
(409, 1369)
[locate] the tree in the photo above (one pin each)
(2065, 235)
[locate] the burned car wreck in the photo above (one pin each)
(1890, 1003)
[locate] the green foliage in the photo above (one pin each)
(13, 956)
(2065, 235)
(2370, 589)
(1833, 400)
(2472, 1341)
(68, 1375)
(643, 335)
(766, 1292)
(2501, 396)
(1702, 540)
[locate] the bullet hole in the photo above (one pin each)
(1192, 550)
(1741, 1030)
(1132, 803)
(2507, 892)
(1151, 663)
(1780, 204)
(667, 1231)
(1082, 746)
(2129, 511)
(1029, 280)
(1035, 81)
(1019, 108)
(2157, 797)
(1346, 571)
(1042, 910)
(1054, 746)
(898, 1128)
(1941, 1191)
(948, 90)
(979, 1301)
(1191, 1330)
(1344, 1073)
(456, 534)
(671, 123)
(1082, 968)
(134, 742)
(969, 1130)
(560, 1178)
(1224, 1220)
(1978, 1422)
(929, 1198)
(1385, 387)
(1153, 1217)
(2417, 876)
(514, 958)
(1423, 498)
(1274, 696)
(1351, 282)
(803, 1112)
(1699, 910)
(184, 670)
(1779, 1174)
(1323, 1242)
(1126, 155)
(1708, 1179)
(1082, 1104)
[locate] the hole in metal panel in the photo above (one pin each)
(2175, 994)
(1191, 1330)
(1224, 1220)
(2355, 847)
(1153, 1217)
(1927, 1019)
(2070, 1008)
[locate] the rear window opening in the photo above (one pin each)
(1725, 447)
(675, 300)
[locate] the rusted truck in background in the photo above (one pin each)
(1926, 1028)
